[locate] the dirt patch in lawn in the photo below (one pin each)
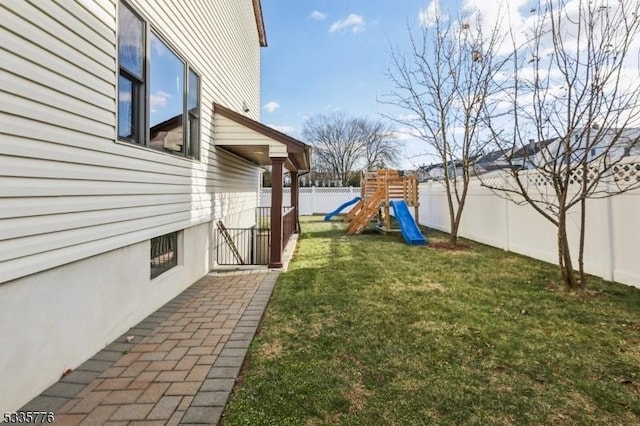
(443, 245)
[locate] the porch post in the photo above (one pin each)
(276, 212)
(294, 199)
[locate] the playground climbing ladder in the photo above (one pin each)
(368, 211)
(381, 190)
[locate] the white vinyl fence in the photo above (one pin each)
(612, 239)
(314, 200)
(613, 225)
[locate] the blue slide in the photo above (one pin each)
(408, 226)
(341, 207)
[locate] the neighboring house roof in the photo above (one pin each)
(627, 143)
(257, 149)
(531, 149)
(167, 135)
(257, 11)
(494, 160)
(431, 167)
(491, 157)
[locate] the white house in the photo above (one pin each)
(591, 145)
(128, 129)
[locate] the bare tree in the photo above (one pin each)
(336, 142)
(572, 102)
(381, 149)
(443, 86)
(343, 144)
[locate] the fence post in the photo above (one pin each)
(610, 230)
(508, 231)
(313, 199)
(430, 211)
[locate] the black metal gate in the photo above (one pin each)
(242, 246)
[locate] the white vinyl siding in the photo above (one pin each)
(229, 130)
(67, 189)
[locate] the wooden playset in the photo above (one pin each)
(378, 189)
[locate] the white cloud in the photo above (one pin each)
(271, 106)
(512, 18)
(411, 116)
(159, 100)
(354, 23)
(283, 129)
(318, 16)
(409, 134)
(428, 16)
(403, 135)
(124, 97)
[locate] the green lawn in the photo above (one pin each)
(367, 330)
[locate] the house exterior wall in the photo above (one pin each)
(58, 318)
(78, 208)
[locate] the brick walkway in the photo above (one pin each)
(180, 366)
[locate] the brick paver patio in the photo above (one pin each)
(180, 366)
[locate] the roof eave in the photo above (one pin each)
(262, 34)
(299, 152)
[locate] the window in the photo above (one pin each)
(131, 78)
(166, 98)
(164, 253)
(158, 92)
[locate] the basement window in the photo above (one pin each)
(164, 253)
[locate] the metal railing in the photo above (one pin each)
(288, 224)
(252, 244)
(263, 217)
(164, 253)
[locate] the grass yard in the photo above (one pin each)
(367, 330)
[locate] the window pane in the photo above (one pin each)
(125, 108)
(166, 89)
(194, 90)
(130, 41)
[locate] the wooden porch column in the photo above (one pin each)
(294, 199)
(276, 212)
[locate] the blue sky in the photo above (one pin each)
(326, 55)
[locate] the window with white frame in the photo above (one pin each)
(158, 90)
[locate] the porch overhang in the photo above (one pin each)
(257, 142)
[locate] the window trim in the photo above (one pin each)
(142, 118)
(138, 86)
(189, 146)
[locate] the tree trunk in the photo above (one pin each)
(453, 235)
(564, 254)
(583, 219)
(455, 225)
